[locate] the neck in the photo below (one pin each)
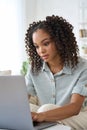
(56, 66)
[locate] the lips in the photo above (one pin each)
(44, 57)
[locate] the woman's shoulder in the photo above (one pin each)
(82, 60)
(29, 69)
(82, 64)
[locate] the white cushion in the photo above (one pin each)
(5, 72)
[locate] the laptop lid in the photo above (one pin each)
(14, 106)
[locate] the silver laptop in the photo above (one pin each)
(14, 105)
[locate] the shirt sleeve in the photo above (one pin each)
(81, 85)
(29, 84)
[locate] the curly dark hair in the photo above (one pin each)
(61, 33)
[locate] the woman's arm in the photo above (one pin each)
(63, 112)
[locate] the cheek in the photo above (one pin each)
(37, 50)
(52, 49)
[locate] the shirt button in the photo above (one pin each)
(53, 95)
(52, 80)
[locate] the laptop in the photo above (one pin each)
(14, 105)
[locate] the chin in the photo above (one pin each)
(46, 60)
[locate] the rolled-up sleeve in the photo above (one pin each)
(81, 85)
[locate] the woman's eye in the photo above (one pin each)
(46, 44)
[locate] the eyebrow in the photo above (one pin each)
(43, 40)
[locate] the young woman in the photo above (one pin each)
(57, 74)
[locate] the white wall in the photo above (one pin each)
(12, 31)
(69, 9)
(31, 11)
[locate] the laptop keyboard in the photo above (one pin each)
(42, 125)
(35, 123)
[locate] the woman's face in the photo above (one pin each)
(45, 47)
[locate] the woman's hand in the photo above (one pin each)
(40, 117)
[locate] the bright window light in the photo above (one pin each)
(11, 31)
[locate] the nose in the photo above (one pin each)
(41, 50)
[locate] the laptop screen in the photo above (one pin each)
(14, 106)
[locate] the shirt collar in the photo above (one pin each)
(66, 69)
(45, 67)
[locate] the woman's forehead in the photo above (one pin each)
(40, 35)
